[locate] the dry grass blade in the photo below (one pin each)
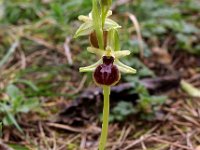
(68, 142)
(9, 53)
(81, 85)
(67, 50)
(171, 143)
(120, 140)
(48, 45)
(137, 142)
(65, 127)
(43, 136)
(88, 129)
(138, 31)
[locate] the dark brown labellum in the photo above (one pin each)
(106, 73)
(94, 41)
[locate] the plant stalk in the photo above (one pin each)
(97, 24)
(106, 109)
(104, 12)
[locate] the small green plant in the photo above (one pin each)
(159, 20)
(15, 103)
(104, 39)
(121, 111)
(146, 106)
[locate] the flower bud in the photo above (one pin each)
(106, 73)
(94, 41)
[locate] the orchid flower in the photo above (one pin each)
(104, 40)
(108, 57)
(109, 60)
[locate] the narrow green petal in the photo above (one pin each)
(122, 53)
(96, 51)
(90, 68)
(84, 29)
(87, 69)
(124, 68)
(110, 41)
(116, 39)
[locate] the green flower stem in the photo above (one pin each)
(106, 109)
(105, 5)
(97, 23)
(104, 12)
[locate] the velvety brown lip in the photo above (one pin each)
(106, 73)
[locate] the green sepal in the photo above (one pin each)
(90, 68)
(96, 51)
(110, 24)
(122, 53)
(124, 68)
(85, 29)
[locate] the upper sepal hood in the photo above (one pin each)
(88, 26)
